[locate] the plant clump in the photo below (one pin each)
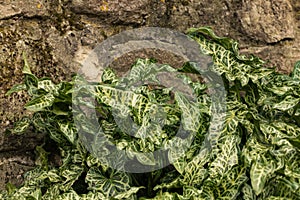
(253, 155)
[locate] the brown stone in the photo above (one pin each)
(269, 21)
(113, 11)
(28, 8)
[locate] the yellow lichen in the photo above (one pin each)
(104, 6)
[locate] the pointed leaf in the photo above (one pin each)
(40, 103)
(287, 103)
(69, 131)
(260, 172)
(296, 71)
(114, 184)
(16, 88)
(21, 125)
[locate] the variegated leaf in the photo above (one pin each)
(167, 196)
(70, 175)
(177, 158)
(109, 76)
(248, 193)
(195, 172)
(16, 88)
(69, 131)
(261, 170)
(92, 196)
(48, 86)
(128, 194)
(145, 158)
(70, 195)
(21, 126)
(114, 184)
(190, 192)
(54, 175)
(169, 184)
(40, 103)
(190, 113)
(287, 103)
(278, 198)
(35, 177)
(231, 183)
(296, 71)
(227, 157)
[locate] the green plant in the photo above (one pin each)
(254, 156)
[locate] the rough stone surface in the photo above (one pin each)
(268, 20)
(58, 35)
(113, 11)
(25, 8)
(12, 167)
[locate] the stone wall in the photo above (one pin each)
(57, 34)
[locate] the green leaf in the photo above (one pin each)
(61, 109)
(16, 88)
(26, 69)
(10, 188)
(111, 185)
(54, 176)
(92, 195)
(70, 175)
(21, 126)
(248, 193)
(42, 157)
(287, 103)
(227, 157)
(48, 86)
(69, 130)
(109, 76)
(195, 172)
(261, 171)
(146, 158)
(296, 72)
(129, 193)
(226, 42)
(70, 195)
(40, 103)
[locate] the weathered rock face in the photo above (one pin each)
(267, 20)
(114, 11)
(27, 8)
(58, 35)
